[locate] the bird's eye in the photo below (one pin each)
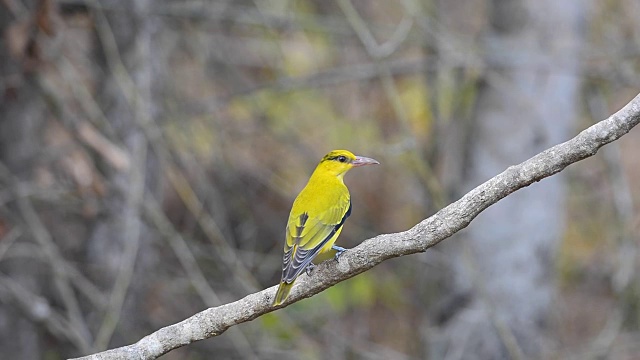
(342, 159)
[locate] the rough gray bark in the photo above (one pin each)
(453, 218)
(533, 58)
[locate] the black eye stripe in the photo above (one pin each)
(339, 158)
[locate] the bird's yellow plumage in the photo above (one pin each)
(317, 216)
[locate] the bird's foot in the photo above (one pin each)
(310, 268)
(339, 250)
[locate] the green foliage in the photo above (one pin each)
(359, 292)
(273, 324)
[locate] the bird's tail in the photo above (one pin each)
(282, 293)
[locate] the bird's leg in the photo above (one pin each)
(339, 250)
(310, 268)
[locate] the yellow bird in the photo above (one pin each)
(317, 216)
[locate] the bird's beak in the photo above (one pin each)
(362, 161)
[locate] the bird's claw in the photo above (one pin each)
(339, 250)
(310, 268)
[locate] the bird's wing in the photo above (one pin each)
(307, 233)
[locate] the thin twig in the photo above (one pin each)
(7, 240)
(55, 259)
(376, 52)
(39, 310)
(28, 251)
(131, 238)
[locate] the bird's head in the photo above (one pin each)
(338, 162)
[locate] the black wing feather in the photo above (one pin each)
(301, 257)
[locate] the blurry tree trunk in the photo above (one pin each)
(22, 116)
(120, 245)
(504, 270)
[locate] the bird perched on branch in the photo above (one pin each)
(317, 216)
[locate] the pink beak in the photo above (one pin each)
(362, 161)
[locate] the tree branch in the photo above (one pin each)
(446, 222)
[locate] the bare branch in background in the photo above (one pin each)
(446, 222)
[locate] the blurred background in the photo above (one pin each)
(150, 152)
